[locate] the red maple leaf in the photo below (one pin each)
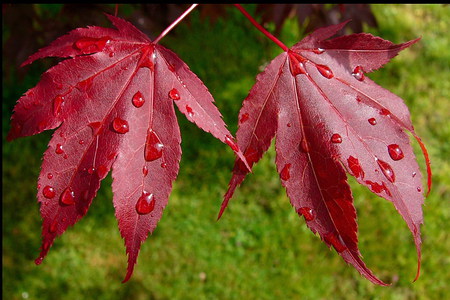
(113, 104)
(329, 119)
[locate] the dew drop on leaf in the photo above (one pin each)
(48, 192)
(336, 138)
(96, 127)
(244, 118)
(355, 167)
(387, 170)
(372, 121)
(174, 94)
(325, 71)
(138, 100)
(68, 197)
(304, 147)
(385, 112)
(285, 173)
(53, 227)
(318, 50)
(189, 110)
(145, 203)
(306, 212)
(230, 142)
(332, 239)
(49, 175)
(59, 149)
(153, 147)
(120, 125)
(358, 73)
(145, 170)
(395, 152)
(57, 104)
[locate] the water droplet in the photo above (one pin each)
(97, 128)
(120, 125)
(189, 110)
(304, 146)
(174, 95)
(296, 65)
(91, 170)
(90, 45)
(153, 147)
(111, 54)
(358, 73)
(378, 188)
(244, 118)
(48, 192)
(285, 173)
(171, 67)
(49, 175)
(163, 165)
(288, 124)
(385, 112)
(387, 170)
(39, 260)
(419, 189)
(325, 71)
(372, 121)
(65, 156)
(85, 84)
(145, 60)
(336, 138)
(306, 212)
(355, 167)
(230, 142)
(138, 100)
(68, 197)
(318, 50)
(59, 149)
(335, 241)
(102, 171)
(57, 104)
(54, 226)
(145, 170)
(414, 174)
(395, 152)
(145, 204)
(81, 142)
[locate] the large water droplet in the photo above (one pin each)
(332, 239)
(372, 121)
(89, 45)
(48, 192)
(387, 170)
(336, 138)
(174, 94)
(296, 65)
(138, 100)
(57, 104)
(395, 152)
(355, 167)
(325, 71)
(358, 73)
(68, 197)
(145, 204)
(153, 146)
(120, 125)
(285, 173)
(306, 212)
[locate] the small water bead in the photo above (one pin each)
(48, 192)
(49, 175)
(102, 171)
(189, 110)
(230, 142)
(145, 170)
(153, 146)
(54, 226)
(395, 152)
(387, 170)
(355, 167)
(120, 126)
(285, 172)
(318, 50)
(163, 165)
(145, 203)
(358, 73)
(414, 174)
(325, 71)
(334, 240)
(91, 170)
(244, 118)
(306, 212)
(81, 142)
(57, 104)
(68, 197)
(336, 138)
(138, 100)
(59, 149)
(419, 189)
(174, 94)
(385, 112)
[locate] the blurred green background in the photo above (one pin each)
(260, 249)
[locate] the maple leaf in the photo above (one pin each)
(113, 104)
(329, 119)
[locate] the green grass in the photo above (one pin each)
(260, 249)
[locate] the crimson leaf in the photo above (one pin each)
(113, 103)
(329, 119)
